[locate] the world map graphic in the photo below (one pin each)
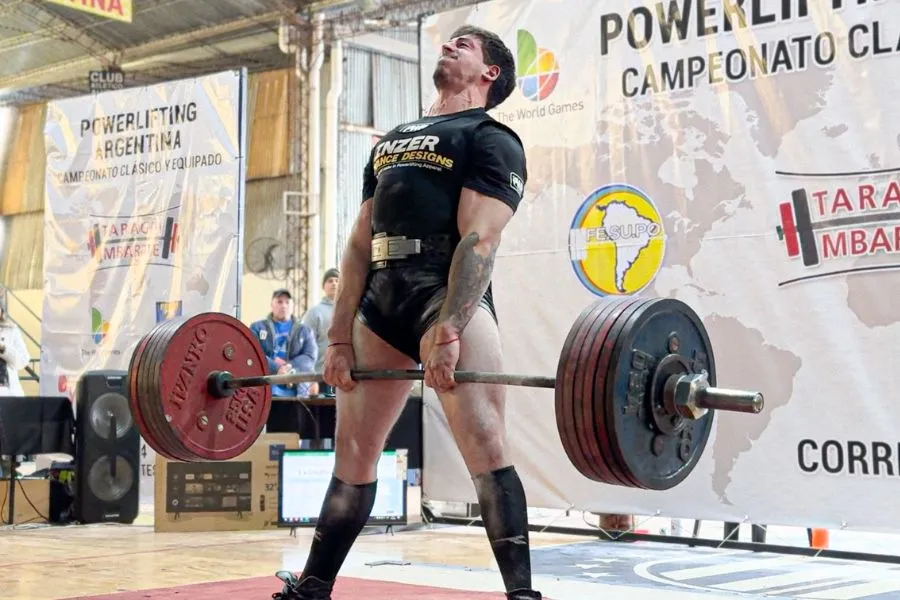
(619, 215)
(697, 194)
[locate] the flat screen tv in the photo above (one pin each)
(304, 475)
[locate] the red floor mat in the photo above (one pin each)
(262, 588)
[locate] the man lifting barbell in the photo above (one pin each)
(635, 378)
(437, 195)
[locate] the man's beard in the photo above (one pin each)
(440, 76)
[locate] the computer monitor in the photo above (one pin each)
(304, 475)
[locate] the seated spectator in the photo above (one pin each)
(289, 345)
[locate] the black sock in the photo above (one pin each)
(505, 515)
(344, 514)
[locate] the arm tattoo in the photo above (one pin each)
(470, 274)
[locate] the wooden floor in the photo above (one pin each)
(56, 563)
(62, 562)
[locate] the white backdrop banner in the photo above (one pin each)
(754, 155)
(145, 192)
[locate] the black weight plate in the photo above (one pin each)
(646, 334)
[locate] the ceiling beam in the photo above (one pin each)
(53, 27)
(384, 45)
(62, 71)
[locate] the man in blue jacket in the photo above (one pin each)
(288, 344)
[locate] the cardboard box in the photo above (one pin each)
(32, 501)
(232, 495)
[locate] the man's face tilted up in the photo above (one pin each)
(462, 65)
(475, 69)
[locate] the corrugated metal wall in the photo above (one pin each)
(395, 86)
(356, 99)
(380, 92)
(353, 150)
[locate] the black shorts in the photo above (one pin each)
(400, 303)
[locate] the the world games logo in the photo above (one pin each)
(537, 76)
(617, 241)
(99, 327)
(537, 71)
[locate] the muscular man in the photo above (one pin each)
(416, 288)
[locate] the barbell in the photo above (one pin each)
(635, 391)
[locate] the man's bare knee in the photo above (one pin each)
(483, 454)
(365, 418)
(356, 459)
(476, 418)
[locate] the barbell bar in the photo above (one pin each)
(703, 396)
(635, 390)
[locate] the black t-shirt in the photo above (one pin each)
(417, 171)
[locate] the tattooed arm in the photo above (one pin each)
(481, 220)
(491, 193)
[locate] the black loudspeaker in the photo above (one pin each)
(107, 451)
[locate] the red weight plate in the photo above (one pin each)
(606, 403)
(211, 428)
(135, 398)
(565, 374)
(159, 349)
(148, 382)
(593, 433)
(139, 401)
(152, 375)
(580, 385)
(133, 402)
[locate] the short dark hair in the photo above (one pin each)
(495, 53)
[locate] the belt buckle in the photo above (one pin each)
(394, 248)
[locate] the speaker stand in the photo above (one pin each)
(13, 466)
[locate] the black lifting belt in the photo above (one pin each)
(400, 250)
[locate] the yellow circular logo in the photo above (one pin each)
(617, 241)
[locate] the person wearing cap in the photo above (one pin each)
(289, 345)
(318, 318)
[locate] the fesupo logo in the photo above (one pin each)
(99, 327)
(617, 241)
(537, 71)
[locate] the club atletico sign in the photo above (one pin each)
(104, 81)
